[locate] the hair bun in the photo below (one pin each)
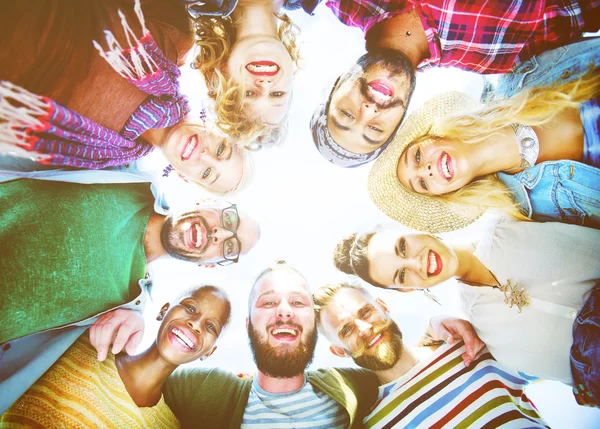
(341, 254)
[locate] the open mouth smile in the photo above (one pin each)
(380, 91)
(263, 68)
(445, 166)
(284, 333)
(182, 338)
(189, 147)
(375, 340)
(434, 264)
(196, 236)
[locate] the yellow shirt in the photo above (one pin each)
(78, 391)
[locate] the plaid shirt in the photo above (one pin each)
(481, 36)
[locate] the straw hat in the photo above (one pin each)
(417, 211)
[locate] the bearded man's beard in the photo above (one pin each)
(281, 362)
(387, 353)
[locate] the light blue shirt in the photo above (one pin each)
(303, 408)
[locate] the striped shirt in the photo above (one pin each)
(440, 392)
(304, 408)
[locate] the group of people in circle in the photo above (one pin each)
(89, 89)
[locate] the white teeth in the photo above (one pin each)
(374, 340)
(189, 148)
(284, 331)
(445, 168)
(183, 338)
(262, 69)
(198, 242)
(378, 96)
(432, 266)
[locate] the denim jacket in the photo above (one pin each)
(556, 66)
(558, 191)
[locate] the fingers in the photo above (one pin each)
(134, 342)
(97, 339)
(125, 327)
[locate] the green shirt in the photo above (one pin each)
(213, 398)
(68, 251)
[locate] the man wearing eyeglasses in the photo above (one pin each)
(71, 253)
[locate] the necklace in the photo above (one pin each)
(529, 145)
(512, 294)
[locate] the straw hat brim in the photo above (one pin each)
(417, 211)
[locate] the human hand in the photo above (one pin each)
(122, 328)
(452, 328)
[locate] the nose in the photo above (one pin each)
(364, 328)
(194, 323)
(219, 234)
(425, 169)
(264, 82)
(369, 110)
(284, 310)
(415, 264)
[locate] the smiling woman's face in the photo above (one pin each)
(267, 70)
(435, 166)
(204, 157)
(410, 260)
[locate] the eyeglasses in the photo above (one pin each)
(231, 247)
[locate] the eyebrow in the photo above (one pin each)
(373, 142)
(338, 125)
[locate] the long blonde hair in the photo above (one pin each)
(214, 38)
(534, 107)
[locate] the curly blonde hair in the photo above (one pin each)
(214, 38)
(535, 107)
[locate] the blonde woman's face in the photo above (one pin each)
(267, 70)
(204, 157)
(435, 167)
(410, 261)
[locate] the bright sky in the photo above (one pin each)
(306, 205)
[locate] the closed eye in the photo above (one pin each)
(347, 114)
(377, 130)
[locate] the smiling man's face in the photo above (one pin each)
(369, 104)
(208, 233)
(358, 326)
(281, 326)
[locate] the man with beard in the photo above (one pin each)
(367, 104)
(457, 385)
(282, 335)
(61, 269)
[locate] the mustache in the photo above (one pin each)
(377, 329)
(281, 323)
(364, 90)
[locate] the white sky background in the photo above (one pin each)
(305, 205)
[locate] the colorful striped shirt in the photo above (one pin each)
(304, 408)
(440, 392)
(481, 36)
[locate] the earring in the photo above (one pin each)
(159, 317)
(167, 170)
(203, 116)
(408, 33)
(429, 295)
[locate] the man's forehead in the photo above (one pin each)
(282, 282)
(344, 305)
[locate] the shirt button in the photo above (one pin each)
(527, 69)
(138, 302)
(6, 347)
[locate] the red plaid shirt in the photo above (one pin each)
(481, 36)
